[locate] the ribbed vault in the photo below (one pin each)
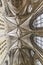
(17, 32)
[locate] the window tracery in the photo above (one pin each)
(38, 23)
(39, 41)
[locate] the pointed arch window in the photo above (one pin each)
(38, 22)
(39, 41)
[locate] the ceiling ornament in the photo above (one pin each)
(30, 8)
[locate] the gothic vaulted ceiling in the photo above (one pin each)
(21, 32)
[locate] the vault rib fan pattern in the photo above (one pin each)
(17, 37)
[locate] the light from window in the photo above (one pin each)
(37, 62)
(39, 41)
(29, 8)
(32, 53)
(38, 22)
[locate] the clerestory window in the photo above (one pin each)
(39, 41)
(38, 23)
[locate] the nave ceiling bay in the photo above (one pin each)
(19, 34)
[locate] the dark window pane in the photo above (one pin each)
(0, 3)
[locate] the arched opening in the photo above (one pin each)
(39, 41)
(38, 22)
